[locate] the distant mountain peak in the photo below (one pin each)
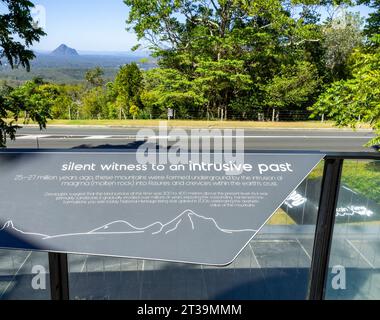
(64, 50)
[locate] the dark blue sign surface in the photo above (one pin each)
(109, 204)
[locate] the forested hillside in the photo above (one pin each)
(72, 69)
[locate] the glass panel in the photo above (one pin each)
(355, 258)
(24, 275)
(273, 266)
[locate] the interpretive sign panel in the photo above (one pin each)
(110, 204)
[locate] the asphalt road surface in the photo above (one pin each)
(263, 139)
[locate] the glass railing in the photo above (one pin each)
(275, 265)
(355, 254)
(24, 275)
(281, 262)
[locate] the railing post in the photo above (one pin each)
(59, 276)
(325, 228)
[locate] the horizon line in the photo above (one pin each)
(94, 52)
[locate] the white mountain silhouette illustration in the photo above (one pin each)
(9, 226)
(188, 238)
(123, 227)
(188, 220)
(185, 222)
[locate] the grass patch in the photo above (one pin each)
(362, 177)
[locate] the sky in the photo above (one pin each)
(86, 25)
(89, 25)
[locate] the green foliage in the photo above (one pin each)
(295, 86)
(228, 50)
(341, 36)
(67, 104)
(372, 27)
(246, 108)
(94, 77)
(17, 21)
(33, 101)
(168, 88)
(126, 89)
(128, 83)
(134, 111)
(350, 102)
(95, 104)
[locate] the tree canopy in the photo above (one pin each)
(254, 56)
(357, 99)
(17, 21)
(223, 45)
